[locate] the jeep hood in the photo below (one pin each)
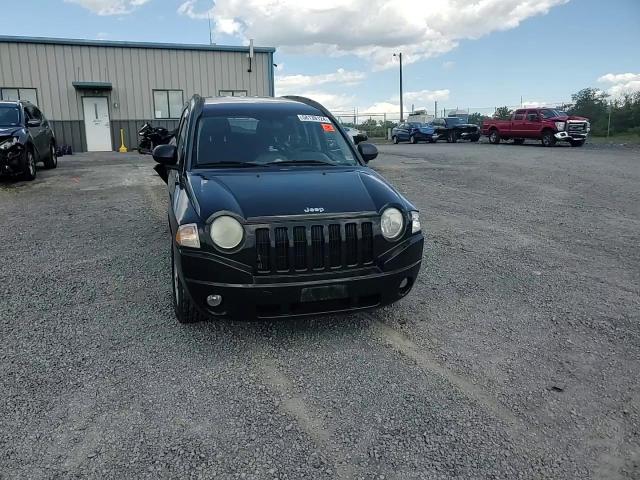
(8, 131)
(263, 193)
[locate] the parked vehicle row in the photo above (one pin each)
(26, 138)
(450, 129)
(545, 124)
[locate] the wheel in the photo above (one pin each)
(577, 143)
(494, 137)
(413, 140)
(475, 138)
(52, 161)
(186, 311)
(30, 170)
(452, 137)
(432, 140)
(548, 140)
(518, 141)
(394, 139)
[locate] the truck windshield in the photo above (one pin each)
(9, 116)
(551, 113)
(451, 121)
(269, 137)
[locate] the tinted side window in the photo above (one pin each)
(532, 115)
(181, 136)
(518, 116)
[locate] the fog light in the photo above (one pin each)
(404, 283)
(214, 300)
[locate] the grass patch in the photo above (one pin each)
(633, 138)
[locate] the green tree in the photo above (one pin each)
(592, 104)
(477, 118)
(503, 113)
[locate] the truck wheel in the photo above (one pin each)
(518, 141)
(577, 143)
(186, 311)
(548, 140)
(413, 140)
(30, 166)
(494, 137)
(452, 137)
(52, 161)
(394, 139)
(475, 138)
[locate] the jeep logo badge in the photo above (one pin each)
(313, 210)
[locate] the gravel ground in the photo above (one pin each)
(516, 356)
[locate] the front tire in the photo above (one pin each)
(52, 161)
(186, 311)
(394, 139)
(413, 140)
(577, 143)
(30, 167)
(548, 140)
(475, 138)
(494, 137)
(452, 137)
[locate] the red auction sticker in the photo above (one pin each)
(327, 127)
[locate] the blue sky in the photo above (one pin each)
(463, 53)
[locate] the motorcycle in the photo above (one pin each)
(150, 136)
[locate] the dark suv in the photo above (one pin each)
(25, 139)
(273, 212)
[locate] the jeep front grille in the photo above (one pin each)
(320, 247)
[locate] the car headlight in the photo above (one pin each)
(415, 222)
(187, 236)
(226, 232)
(391, 223)
(8, 143)
(560, 126)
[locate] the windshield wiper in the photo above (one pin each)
(300, 162)
(229, 164)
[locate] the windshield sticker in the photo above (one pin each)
(327, 127)
(313, 118)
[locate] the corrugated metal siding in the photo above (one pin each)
(134, 74)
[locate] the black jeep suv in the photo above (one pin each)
(273, 212)
(25, 139)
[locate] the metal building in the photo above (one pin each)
(90, 89)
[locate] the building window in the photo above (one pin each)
(27, 94)
(232, 93)
(167, 103)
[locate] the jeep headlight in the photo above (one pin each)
(415, 222)
(391, 223)
(226, 232)
(560, 126)
(6, 145)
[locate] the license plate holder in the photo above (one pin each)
(327, 292)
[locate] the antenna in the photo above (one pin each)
(250, 54)
(210, 36)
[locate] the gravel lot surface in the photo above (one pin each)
(516, 356)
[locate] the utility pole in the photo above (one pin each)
(609, 122)
(210, 35)
(435, 109)
(399, 55)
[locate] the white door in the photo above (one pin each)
(96, 124)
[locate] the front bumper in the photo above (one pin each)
(13, 161)
(466, 135)
(566, 136)
(247, 296)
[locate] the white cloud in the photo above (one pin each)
(425, 96)
(335, 102)
(102, 36)
(621, 83)
(109, 7)
(295, 82)
(380, 27)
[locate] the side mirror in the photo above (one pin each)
(33, 123)
(368, 151)
(165, 154)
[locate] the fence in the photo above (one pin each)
(375, 124)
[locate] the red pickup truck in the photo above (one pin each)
(545, 124)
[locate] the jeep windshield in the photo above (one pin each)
(9, 116)
(268, 137)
